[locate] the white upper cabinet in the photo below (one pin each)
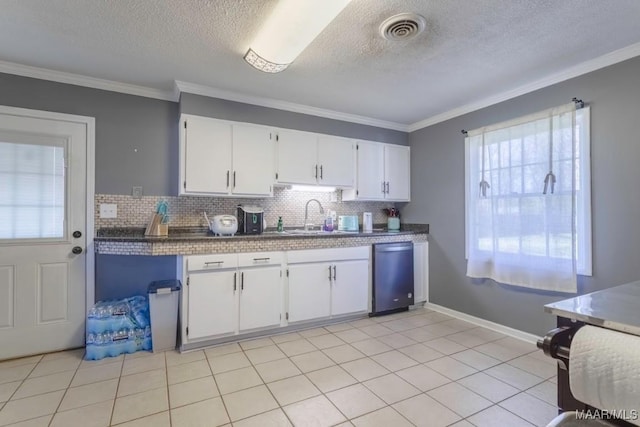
(205, 156)
(336, 161)
(370, 172)
(223, 158)
(313, 159)
(382, 173)
(296, 157)
(397, 172)
(252, 161)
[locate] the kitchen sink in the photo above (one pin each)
(308, 232)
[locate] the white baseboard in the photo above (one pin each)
(514, 333)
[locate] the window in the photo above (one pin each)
(528, 200)
(31, 191)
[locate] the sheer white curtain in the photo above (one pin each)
(521, 180)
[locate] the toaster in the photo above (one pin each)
(223, 225)
(348, 223)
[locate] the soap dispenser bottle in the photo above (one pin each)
(280, 225)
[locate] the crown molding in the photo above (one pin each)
(80, 80)
(286, 106)
(575, 71)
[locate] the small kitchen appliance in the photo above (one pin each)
(367, 222)
(348, 223)
(250, 219)
(222, 225)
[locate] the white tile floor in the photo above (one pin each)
(418, 368)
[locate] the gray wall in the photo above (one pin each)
(124, 123)
(237, 111)
(437, 163)
(137, 144)
(137, 137)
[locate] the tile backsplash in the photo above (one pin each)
(186, 211)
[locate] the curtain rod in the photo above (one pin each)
(579, 104)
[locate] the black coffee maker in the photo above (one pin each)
(250, 219)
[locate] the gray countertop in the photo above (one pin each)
(132, 234)
(615, 308)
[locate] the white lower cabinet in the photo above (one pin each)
(350, 287)
(260, 297)
(420, 272)
(212, 303)
(229, 294)
(328, 282)
(309, 291)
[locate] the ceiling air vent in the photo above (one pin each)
(404, 26)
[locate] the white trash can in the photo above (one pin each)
(164, 296)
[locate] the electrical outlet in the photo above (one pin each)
(108, 210)
(136, 192)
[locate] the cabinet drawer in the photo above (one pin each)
(257, 259)
(328, 255)
(211, 262)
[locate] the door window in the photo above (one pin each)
(32, 190)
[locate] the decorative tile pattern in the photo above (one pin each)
(186, 211)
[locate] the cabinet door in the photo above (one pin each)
(370, 171)
(350, 288)
(297, 157)
(309, 291)
(260, 297)
(252, 161)
(397, 172)
(336, 160)
(207, 156)
(212, 304)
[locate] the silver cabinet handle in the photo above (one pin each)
(334, 272)
(382, 187)
(387, 187)
(214, 263)
(227, 179)
(261, 259)
(329, 273)
(234, 179)
(242, 281)
(321, 172)
(316, 171)
(235, 282)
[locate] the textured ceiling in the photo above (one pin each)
(470, 50)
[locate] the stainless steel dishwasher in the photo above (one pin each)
(392, 277)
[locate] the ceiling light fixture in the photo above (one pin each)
(290, 28)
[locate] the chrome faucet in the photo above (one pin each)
(308, 226)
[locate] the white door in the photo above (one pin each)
(260, 297)
(297, 157)
(336, 160)
(43, 187)
(212, 304)
(397, 172)
(350, 287)
(252, 161)
(206, 149)
(370, 173)
(309, 291)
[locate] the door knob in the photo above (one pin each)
(77, 234)
(76, 250)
